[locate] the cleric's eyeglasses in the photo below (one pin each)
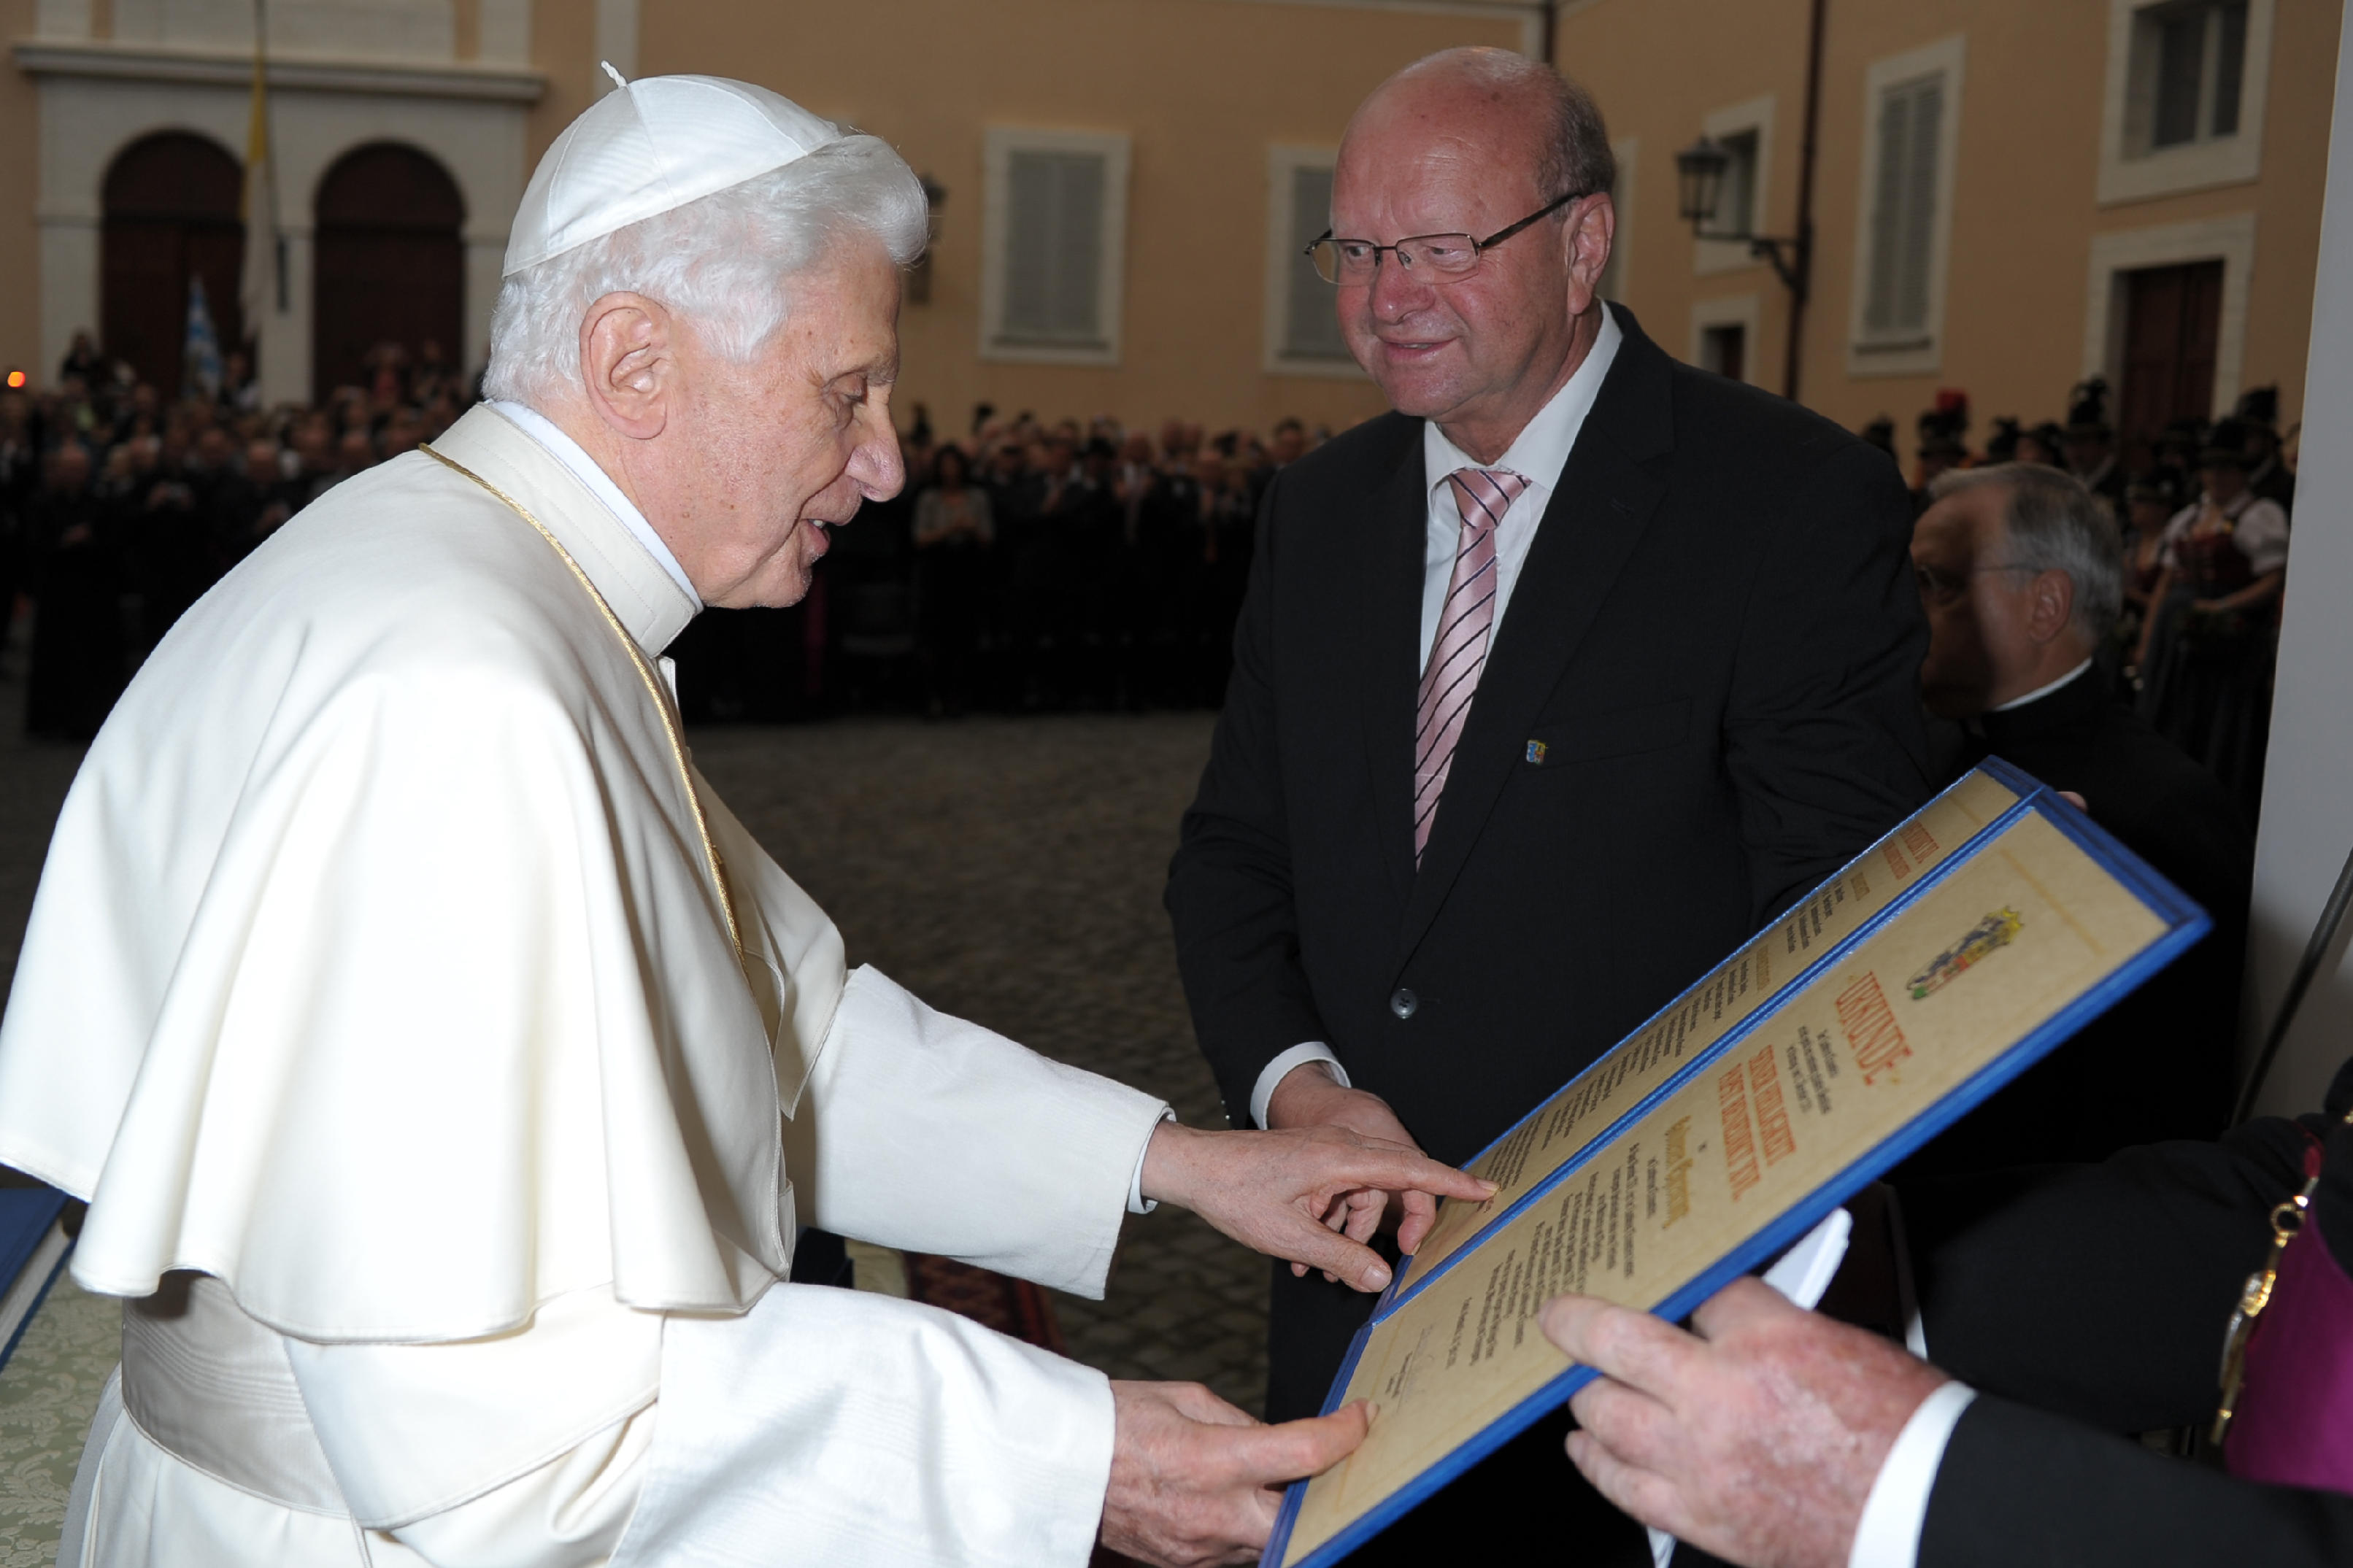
(1442, 258)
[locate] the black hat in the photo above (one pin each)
(2049, 435)
(2087, 410)
(2259, 407)
(1880, 433)
(2226, 446)
(2001, 446)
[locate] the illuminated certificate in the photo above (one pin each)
(1748, 1110)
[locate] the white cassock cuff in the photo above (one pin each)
(842, 1427)
(1888, 1535)
(1136, 1202)
(1275, 1071)
(929, 1134)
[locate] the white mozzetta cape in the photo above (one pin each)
(378, 972)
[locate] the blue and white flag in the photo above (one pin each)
(200, 357)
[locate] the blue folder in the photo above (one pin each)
(2184, 923)
(27, 1270)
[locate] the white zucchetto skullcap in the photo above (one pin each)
(654, 144)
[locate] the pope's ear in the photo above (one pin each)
(629, 366)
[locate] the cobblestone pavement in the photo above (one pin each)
(1009, 871)
(1005, 870)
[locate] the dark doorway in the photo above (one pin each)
(390, 264)
(2173, 318)
(170, 205)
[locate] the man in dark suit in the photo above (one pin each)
(2022, 574)
(2061, 1308)
(1683, 610)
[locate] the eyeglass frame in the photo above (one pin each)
(1479, 247)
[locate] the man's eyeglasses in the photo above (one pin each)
(1438, 257)
(1939, 586)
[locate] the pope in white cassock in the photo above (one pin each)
(447, 1070)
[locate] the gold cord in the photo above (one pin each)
(671, 723)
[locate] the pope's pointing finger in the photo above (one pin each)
(1278, 1455)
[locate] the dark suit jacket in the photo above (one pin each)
(2158, 1064)
(2089, 1301)
(1700, 701)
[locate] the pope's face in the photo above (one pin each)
(786, 446)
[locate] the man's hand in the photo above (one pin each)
(1758, 1438)
(1194, 1480)
(1279, 1192)
(1309, 1095)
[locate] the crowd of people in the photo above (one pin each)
(118, 508)
(1027, 565)
(2202, 511)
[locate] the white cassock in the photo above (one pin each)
(381, 998)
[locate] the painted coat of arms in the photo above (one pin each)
(1996, 931)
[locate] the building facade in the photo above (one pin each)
(1122, 187)
(2008, 195)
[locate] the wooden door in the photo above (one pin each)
(389, 264)
(171, 213)
(2173, 318)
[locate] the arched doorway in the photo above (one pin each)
(389, 262)
(171, 214)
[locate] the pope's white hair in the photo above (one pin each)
(721, 262)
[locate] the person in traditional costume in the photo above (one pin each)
(448, 1071)
(2210, 682)
(2055, 1311)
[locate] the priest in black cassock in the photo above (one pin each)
(2020, 572)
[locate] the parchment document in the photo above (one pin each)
(2027, 926)
(1751, 977)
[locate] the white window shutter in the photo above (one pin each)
(1903, 208)
(1312, 329)
(1054, 247)
(1926, 150)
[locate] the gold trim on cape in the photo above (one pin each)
(672, 724)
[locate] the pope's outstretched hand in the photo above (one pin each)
(1284, 1193)
(1196, 1482)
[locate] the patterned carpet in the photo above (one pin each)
(48, 1391)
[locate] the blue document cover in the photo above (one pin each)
(1944, 960)
(32, 1254)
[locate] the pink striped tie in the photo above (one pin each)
(1452, 677)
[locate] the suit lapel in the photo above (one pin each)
(1614, 479)
(1390, 652)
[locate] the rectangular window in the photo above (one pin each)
(1903, 208)
(2190, 62)
(1053, 247)
(1912, 106)
(1303, 333)
(1312, 328)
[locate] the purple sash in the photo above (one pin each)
(2294, 1420)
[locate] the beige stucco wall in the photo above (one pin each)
(2025, 205)
(1203, 86)
(20, 240)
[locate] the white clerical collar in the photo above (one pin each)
(568, 452)
(1541, 449)
(2039, 692)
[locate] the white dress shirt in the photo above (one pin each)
(1537, 455)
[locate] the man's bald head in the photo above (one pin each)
(1496, 103)
(1487, 145)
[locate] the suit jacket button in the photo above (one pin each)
(1403, 1003)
